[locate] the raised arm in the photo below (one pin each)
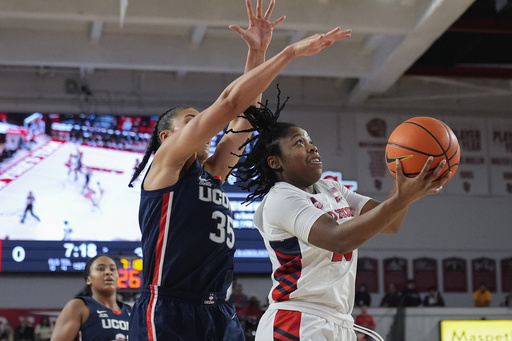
(179, 146)
(348, 236)
(257, 36)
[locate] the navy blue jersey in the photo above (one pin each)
(105, 324)
(188, 259)
(187, 235)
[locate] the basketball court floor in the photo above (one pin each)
(106, 210)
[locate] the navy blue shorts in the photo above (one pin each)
(158, 315)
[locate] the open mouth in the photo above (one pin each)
(316, 160)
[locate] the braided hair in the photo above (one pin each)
(164, 122)
(254, 173)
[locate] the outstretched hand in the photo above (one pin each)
(412, 189)
(259, 33)
(314, 44)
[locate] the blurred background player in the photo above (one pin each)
(29, 207)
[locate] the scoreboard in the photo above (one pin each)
(58, 256)
(48, 256)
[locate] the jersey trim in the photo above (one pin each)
(288, 274)
(287, 325)
(162, 237)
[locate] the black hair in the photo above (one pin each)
(253, 171)
(87, 291)
(164, 122)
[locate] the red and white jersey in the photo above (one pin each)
(305, 277)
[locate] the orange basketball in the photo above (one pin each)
(413, 141)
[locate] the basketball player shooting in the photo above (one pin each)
(313, 227)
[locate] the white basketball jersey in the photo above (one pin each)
(305, 277)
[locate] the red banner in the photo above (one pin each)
(484, 271)
(368, 273)
(425, 273)
(395, 271)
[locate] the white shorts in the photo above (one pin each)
(289, 325)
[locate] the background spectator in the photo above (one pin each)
(362, 296)
(364, 319)
(392, 297)
(24, 332)
(411, 296)
(433, 299)
(239, 300)
(8, 333)
(482, 296)
(508, 299)
(252, 315)
(43, 330)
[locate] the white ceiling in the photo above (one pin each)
(72, 56)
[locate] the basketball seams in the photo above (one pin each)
(438, 136)
(434, 137)
(445, 151)
(415, 150)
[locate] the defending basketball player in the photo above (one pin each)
(312, 228)
(185, 217)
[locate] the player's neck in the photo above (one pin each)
(109, 301)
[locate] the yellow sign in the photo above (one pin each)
(476, 330)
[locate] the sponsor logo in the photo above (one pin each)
(205, 182)
(210, 300)
(336, 193)
(393, 159)
(102, 313)
(316, 203)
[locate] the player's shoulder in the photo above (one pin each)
(324, 185)
(76, 307)
(282, 190)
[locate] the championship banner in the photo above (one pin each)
(425, 273)
(372, 135)
(473, 172)
(455, 275)
(500, 152)
(484, 271)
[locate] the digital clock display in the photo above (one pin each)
(58, 256)
(71, 256)
(130, 272)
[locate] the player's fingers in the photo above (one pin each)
(270, 9)
(258, 9)
(338, 35)
(426, 167)
(398, 170)
(278, 21)
(250, 12)
(444, 180)
(438, 169)
(332, 32)
(237, 29)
